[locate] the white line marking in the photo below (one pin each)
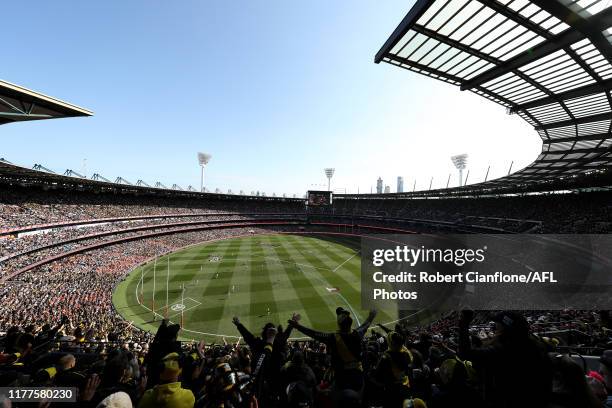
(199, 303)
(403, 318)
(280, 260)
(299, 264)
(339, 266)
(319, 278)
(340, 295)
(184, 310)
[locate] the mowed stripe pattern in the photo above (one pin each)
(261, 278)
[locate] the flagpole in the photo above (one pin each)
(182, 303)
(141, 284)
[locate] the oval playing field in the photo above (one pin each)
(258, 278)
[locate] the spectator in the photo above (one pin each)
(345, 349)
(570, 387)
(299, 381)
(168, 393)
(514, 361)
(395, 370)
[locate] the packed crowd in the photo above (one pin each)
(588, 212)
(26, 250)
(20, 207)
(58, 327)
(456, 361)
(24, 207)
(80, 286)
(12, 245)
(558, 213)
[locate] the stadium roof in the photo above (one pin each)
(549, 61)
(41, 177)
(21, 104)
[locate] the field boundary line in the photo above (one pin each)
(340, 295)
(260, 255)
(298, 264)
(339, 266)
(319, 278)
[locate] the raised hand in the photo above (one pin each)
(90, 387)
(200, 348)
(270, 335)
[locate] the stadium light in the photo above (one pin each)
(40, 167)
(72, 173)
(98, 177)
(460, 162)
(329, 173)
(203, 159)
(121, 180)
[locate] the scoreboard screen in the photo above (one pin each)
(319, 198)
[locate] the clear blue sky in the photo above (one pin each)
(274, 90)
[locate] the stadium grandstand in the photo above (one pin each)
(256, 299)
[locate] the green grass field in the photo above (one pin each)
(259, 278)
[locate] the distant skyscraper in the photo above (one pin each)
(400, 184)
(387, 189)
(379, 186)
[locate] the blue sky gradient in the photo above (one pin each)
(274, 90)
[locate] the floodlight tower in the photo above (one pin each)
(329, 172)
(460, 162)
(203, 159)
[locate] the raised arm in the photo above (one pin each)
(244, 332)
(283, 336)
(317, 335)
(384, 328)
(361, 330)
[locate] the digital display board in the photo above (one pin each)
(319, 198)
